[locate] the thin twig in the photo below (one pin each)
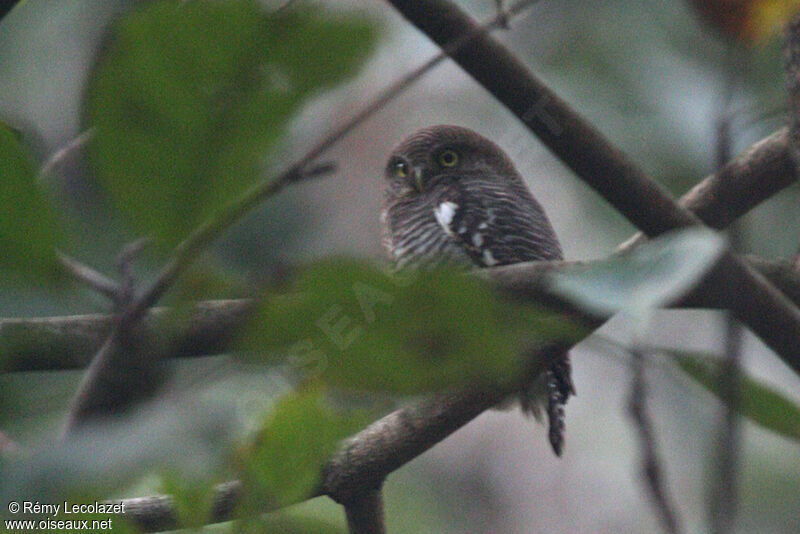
(74, 144)
(125, 260)
(498, 21)
(651, 469)
(95, 280)
(723, 502)
(724, 499)
(128, 367)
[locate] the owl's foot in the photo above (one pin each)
(550, 390)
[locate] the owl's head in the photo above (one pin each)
(443, 153)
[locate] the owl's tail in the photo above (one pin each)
(554, 387)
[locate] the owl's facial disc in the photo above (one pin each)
(420, 168)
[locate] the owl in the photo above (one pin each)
(452, 197)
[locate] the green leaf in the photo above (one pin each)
(760, 403)
(654, 274)
(29, 230)
(190, 96)
(299, 436)
(192, 501)
(357, 327)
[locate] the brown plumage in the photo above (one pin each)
(454, 197)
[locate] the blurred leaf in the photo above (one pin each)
(299, 436)
(357, 327)
(209, 279)
(748, 20)
(760, 403)
(189, 97)
(100, 460)
(7, 5)
(193, 501)
(654, 274)
(29, 230)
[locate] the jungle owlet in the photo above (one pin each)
(454, 197)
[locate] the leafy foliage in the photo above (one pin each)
(654, 274)
(190, 96)
(758, 402)
(29, 230)
(299, 435)
(356, 327)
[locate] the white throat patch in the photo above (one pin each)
(444, 214)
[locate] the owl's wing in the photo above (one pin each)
(495, 226)
(498, 226)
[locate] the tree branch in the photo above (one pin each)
(363, 461)
(74, 145)
(724, 493)
(93, 279)
(651, 469)
(758, 173)
(365, 513)
(129, 366)
(62, 343)
(156, 513)
(783, 273)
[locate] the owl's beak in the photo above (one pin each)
(418, 178)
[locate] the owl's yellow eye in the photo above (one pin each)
(448, 158)
(401, 169)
